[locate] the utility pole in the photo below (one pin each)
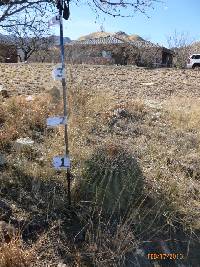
(68, 173)
(59, 73)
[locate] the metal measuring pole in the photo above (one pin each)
(68, 173)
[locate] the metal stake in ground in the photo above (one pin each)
(61, 8)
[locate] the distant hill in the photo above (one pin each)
(6, 38)
(135, 37)
(125, 36)
(120, 35)
(94, 35)
(57, 40)
(10, 39)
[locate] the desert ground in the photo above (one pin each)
(134, 141)
(124, 81)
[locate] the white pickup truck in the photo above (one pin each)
(193, 62)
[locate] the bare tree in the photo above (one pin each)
(116, 8)
(181, 44)
(45, 52)
(29, 36)
(10, 8)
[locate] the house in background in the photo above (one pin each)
(119, 48)
(109, 49)
(8, 50)
(8, 53)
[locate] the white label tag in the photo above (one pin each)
(58, 73)
(54, 21)
(61, 162)
(56, 121)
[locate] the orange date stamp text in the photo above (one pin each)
(165, 256)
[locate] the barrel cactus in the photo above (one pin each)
(112, 178)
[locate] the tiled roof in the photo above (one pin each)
(139, 43)
(113, 40)
(116, 40)
(101, 40)
(144, 44)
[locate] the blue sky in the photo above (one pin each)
(171, 15)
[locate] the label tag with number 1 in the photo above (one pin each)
(61, 162)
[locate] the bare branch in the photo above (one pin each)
(10, 8)
(29, 34)
(117, 8)
(181, 44)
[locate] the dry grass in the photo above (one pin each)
(107, 246)
(107, 132)
(184, 113)
(13, 254)
(21, 118)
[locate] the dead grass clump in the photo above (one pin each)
(92, 113)
(25, 118)
(41, 191)
(7, 135)
(108, 245)
(183, 197)
(13, 254)
(40, 110)
(184, 113)
(112, 240)
(3, 115)
(134, 110)
(85, 106)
